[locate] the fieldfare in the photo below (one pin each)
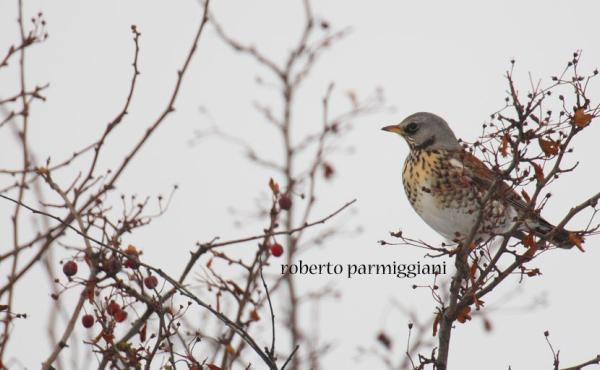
(447, 185)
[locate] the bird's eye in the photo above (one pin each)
(411, 128)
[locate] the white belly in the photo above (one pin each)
(452, 223)
(457, 223)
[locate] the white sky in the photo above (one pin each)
(444, 57)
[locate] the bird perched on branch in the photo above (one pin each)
(453, 191)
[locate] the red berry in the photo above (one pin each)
(112, 308)
(87, 321)
(151, 282)
(120, 315)
(70, 268)
(285, 202)
(276, 250)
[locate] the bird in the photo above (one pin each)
(447, 186)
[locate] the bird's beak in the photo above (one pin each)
(393, 128)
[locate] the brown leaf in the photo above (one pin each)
(464, 315)
(549, 147)
(576, 240)
(213, 367)
(534, 272)
(132, 251)
(274, 186)
(539, 172)
(581, 119)
(531, 245)
(473, 269)
(529, 241)
(254, 315)
(504, 145)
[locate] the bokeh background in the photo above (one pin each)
(438, 56)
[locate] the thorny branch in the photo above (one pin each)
(104, 257)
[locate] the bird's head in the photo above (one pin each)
(425, 131)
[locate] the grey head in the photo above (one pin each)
(425, 131)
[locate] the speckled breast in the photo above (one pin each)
(429, 172)
(445, 197)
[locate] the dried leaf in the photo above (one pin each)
(274, 186)
(532, 246)
(254, 315)
(213, 367)
(534, 272)
(539, 172)
(529, 241)
(576, 240)
(549, 147)
(464, 315)
(581, 119)
(132, 251)
(504, 145)
(473, 269)
(384, 340)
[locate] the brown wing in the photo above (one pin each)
(483, 177)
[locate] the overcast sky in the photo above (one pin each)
(439, 56)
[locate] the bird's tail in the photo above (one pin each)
(558, 237)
